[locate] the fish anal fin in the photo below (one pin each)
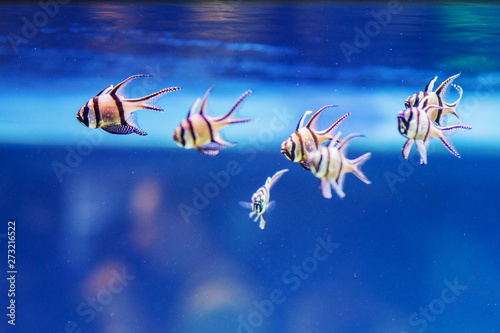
(119, 129)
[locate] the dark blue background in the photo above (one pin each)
(117, 212)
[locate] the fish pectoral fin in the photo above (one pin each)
(118, 129)
(245, 204)
(326, 188)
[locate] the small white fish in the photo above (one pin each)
(435, 98)
(414, 123)
(201, 131)
(260, 200)
(114, 113)
(330, 165)
(306, 139)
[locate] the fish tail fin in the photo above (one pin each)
(227, 119)
(356, 167)
(328, 133)
(148, 102)
(446, 132)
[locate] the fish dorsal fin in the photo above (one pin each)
(345, 143)
(442, 88)
(204, 101)
(105, 90)
(334, 140)
(301, 121)
(193, 107)
(124, 83)
(238, 102)
(271, 180)
(314, 118)
(430, 85)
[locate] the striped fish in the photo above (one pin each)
(260, 200)
(436, 98)
(201, 131)
(415, 124)
(330, 165)
(114, 113)
(306, 139)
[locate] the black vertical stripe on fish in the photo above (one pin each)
(291, 154)
(191, 129)
(182, 139)
(340, 170)
(97, 112)
(409, 121)
(301, 145)
(319, 163)
(316, 142)
(428, 130)
(119, 105)
(86, 114)
(440, 110)
(418, 122)
(209, 127)
(327, 163)
(426, 100)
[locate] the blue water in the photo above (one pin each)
(102, 244)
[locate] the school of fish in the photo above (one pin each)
(323, 153)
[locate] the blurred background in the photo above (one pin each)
(133, 234)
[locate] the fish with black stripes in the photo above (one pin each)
(306, 139)
(114, 113)
(202, 132)
(415, 124)
(436, 114)
(260, 199)
(330, 165)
